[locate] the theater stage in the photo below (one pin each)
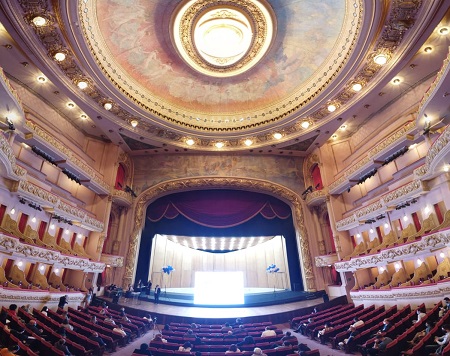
(266, 305)
(253, 297)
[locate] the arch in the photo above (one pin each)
(256, 185)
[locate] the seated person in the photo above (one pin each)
(232, 349)
(123, 317)
(353, 333)
(302, 327)
(158, 338)
(441, 342)
(142, 350)
(65, 324)
(190, 334)
(421, 334)
(119, 330)
(109, 320)
(258, 352)
(420, 315)
(380, 344)
(357, 322)
(386, 326)
(94, 337)
(10, 351)
(61, 345)
(320, 333)
(186, 347)
(248, 340)
(226, 328)
(268, 332)
(32, 326)
(288, 336)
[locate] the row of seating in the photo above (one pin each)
(335, 309)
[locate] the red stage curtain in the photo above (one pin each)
(120, 178)
(218, 208)
(23, 222)
(317, 178)
(2, 212)
(380, 236)
(416, 221)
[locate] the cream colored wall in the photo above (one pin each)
(252, 261)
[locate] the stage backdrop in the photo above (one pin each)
(219, 213)
(252, 261)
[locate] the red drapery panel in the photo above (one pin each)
(416, 221)
(42, 228)
(2, 212)
(438, 213)
(120, 178)
(23, 222)
(317, 178)
(218, 208)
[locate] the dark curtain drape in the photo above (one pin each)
(120, 178)
(317, 178)
(199, 214)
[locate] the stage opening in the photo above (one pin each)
(219, 288)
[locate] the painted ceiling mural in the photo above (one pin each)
(136, 36)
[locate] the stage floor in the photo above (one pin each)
(247, 291)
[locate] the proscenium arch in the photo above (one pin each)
(256, 185)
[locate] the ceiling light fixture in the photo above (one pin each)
(108, 105)
(83, 117)
(446, 168)
(357, 87)
(277, 135)
(70, 105)
(39, 21)
(190, 142)
(443, 31)
(82, 84)
(134, 123)
(59, 56)
(380, 59)
(334, 137)
(305, 124)
(396, 81)
(41, 79)
(248, 142)
(331, 108)
(428, 49)
(219, 144)
(343, 127)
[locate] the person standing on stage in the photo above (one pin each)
(149, 287)
(157, 293)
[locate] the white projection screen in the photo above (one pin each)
(219, 288)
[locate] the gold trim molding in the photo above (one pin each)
(179, 185)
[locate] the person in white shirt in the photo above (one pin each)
(356, 322)
(120, 331)
(441, 342)
(186, 347)
(268, 332)
(420, 315)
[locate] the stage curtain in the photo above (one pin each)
(218, 208)
(317, 178)
(120, 178)
(42, 229)
(437, 210)
(23, 222)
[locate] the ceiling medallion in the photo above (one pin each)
(223, 38)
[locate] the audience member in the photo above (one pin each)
(226, 328)
(420, 315)
(258, 352)
(95, 337)
(158, 338)
(380, 344)
(288, 336)
(65, 324)
(321, 333)
(44, 310)
(268, 332)
(9, 351)
(61, 345)
(357, 322)
(186, 347)
(248, 340)
(353, 333)
(441, 342)
(421, 334)
(302, 327)
(232, 349)
(190, 334)
(120, 331)
(63, 301)
(32, 327)
(142, 350)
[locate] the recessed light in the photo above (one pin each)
(443, 31)
(446, 168)
(39, 21)
(59, 56)
(305, 124)
(277, 135)
(108, 105)
(134, 123)
(331, 108)
(248, 142)
(83, 117)
(396, 81)
(343, 127)
(357, 87)
(428, 49)
(334, 137)
(70, 105)
(190, 142)
(380, 59)
(82, 84)
(219, 144)
(41, 79)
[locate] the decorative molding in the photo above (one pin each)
(7, 157)
(317, 197)
(326, 260)
(112, 260)
(13, 246)
(44, 197)
(424, 246)
(407, 191)
(61, 149)
(121, 197)
(366, 162)
(179, 185)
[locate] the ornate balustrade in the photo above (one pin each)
(121, 197)
(13, 246)
(317, 197)
(326, 260)
(111, 260)
(426, 245)
(46, 198)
